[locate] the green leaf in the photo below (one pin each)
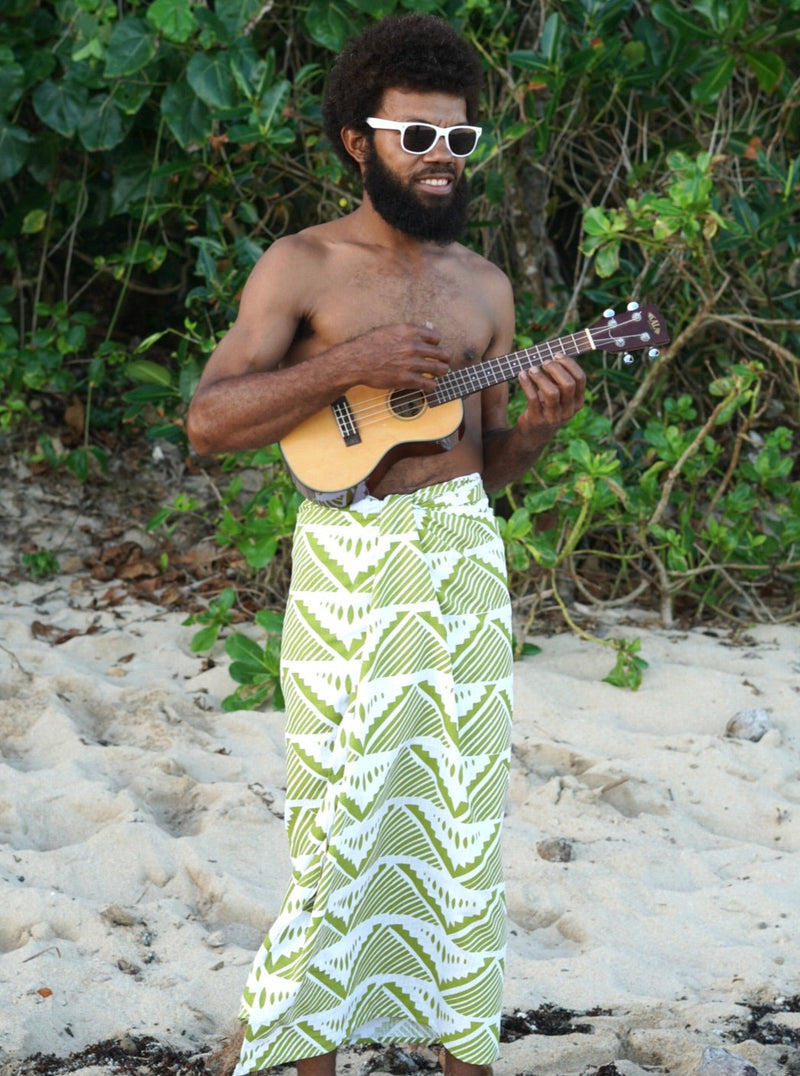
(274, 100)
(101, 124)
(529, 60)
(78, 463)
(131, 182)
(12, 80)
(552, 38)
(270, 621)
(244, 673)
(236, 14)
(628, 670)
(60, 105)
(596, 221)
(186, 115)
(131, 95)
(672, 17)
(148, 341)
(130, 48)
(543, 500)
(14, 148)
(710, 87)
(172, 18)
(34, 222)
(607, 260)
(635, 53)
(211, 78)
(225, 601)
(150, 373)
(768, 68)
(327, 24)
(259, 553)
(204, 639)
(240, 648)
(378, 9)
(188, 379)
(518, 526)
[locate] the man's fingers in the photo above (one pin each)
(560, 374)
(557, 388)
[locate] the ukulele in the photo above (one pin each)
(335, 455)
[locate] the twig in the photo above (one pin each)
(666, 358)
(16, 661)
(609, 603)
(677, 467)
(256, 19)
(49, 949)
(737, 322)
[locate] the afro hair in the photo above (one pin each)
(415, 52)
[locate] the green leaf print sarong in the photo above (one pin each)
(397, 678)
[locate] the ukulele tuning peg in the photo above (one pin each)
(653, 353)
(633, 306)
(609, 313)
(627, 358)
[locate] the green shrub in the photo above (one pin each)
(150, 152)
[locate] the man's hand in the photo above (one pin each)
(555, 392)
(399, 357)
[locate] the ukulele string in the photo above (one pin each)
(374, 412)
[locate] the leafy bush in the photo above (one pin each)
(150, 151)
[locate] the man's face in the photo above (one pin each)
(425, 196)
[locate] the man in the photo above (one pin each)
(396, 659)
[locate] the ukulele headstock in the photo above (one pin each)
(638, 327)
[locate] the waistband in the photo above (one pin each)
(454, 492)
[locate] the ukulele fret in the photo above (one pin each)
(470, 379)
(345, 420)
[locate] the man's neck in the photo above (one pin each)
(373, 228)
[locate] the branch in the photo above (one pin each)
(677, 467)
(736, 321)
(667, 356)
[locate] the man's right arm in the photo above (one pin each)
(246, 397)
(249, 397)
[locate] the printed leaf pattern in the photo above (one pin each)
(397, 678)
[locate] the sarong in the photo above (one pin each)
(396, 670)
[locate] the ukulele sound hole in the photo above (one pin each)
(406, 403)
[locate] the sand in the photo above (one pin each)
(143, 857)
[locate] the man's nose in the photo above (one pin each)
(440, 149)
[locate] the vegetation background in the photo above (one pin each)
(149, 152)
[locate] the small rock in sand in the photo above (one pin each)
(748, 725)
(555, 849)
(719, 1062)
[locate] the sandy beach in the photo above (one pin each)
(652, 853)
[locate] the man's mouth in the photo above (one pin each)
(437, 182)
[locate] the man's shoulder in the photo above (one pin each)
(477, 265)
(313, 243)
(309, 241)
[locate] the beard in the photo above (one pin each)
(442, 220)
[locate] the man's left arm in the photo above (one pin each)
(555, 392)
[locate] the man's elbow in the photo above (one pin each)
(199, 429)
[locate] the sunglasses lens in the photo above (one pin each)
(418, 138)
(462, 141)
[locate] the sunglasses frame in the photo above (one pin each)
(440, 132)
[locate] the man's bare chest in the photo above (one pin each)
(361, 297)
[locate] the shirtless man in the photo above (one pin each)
(359, 301)
(396, 660)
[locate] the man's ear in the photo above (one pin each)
(356, 143)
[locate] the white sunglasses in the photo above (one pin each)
(418, 138)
